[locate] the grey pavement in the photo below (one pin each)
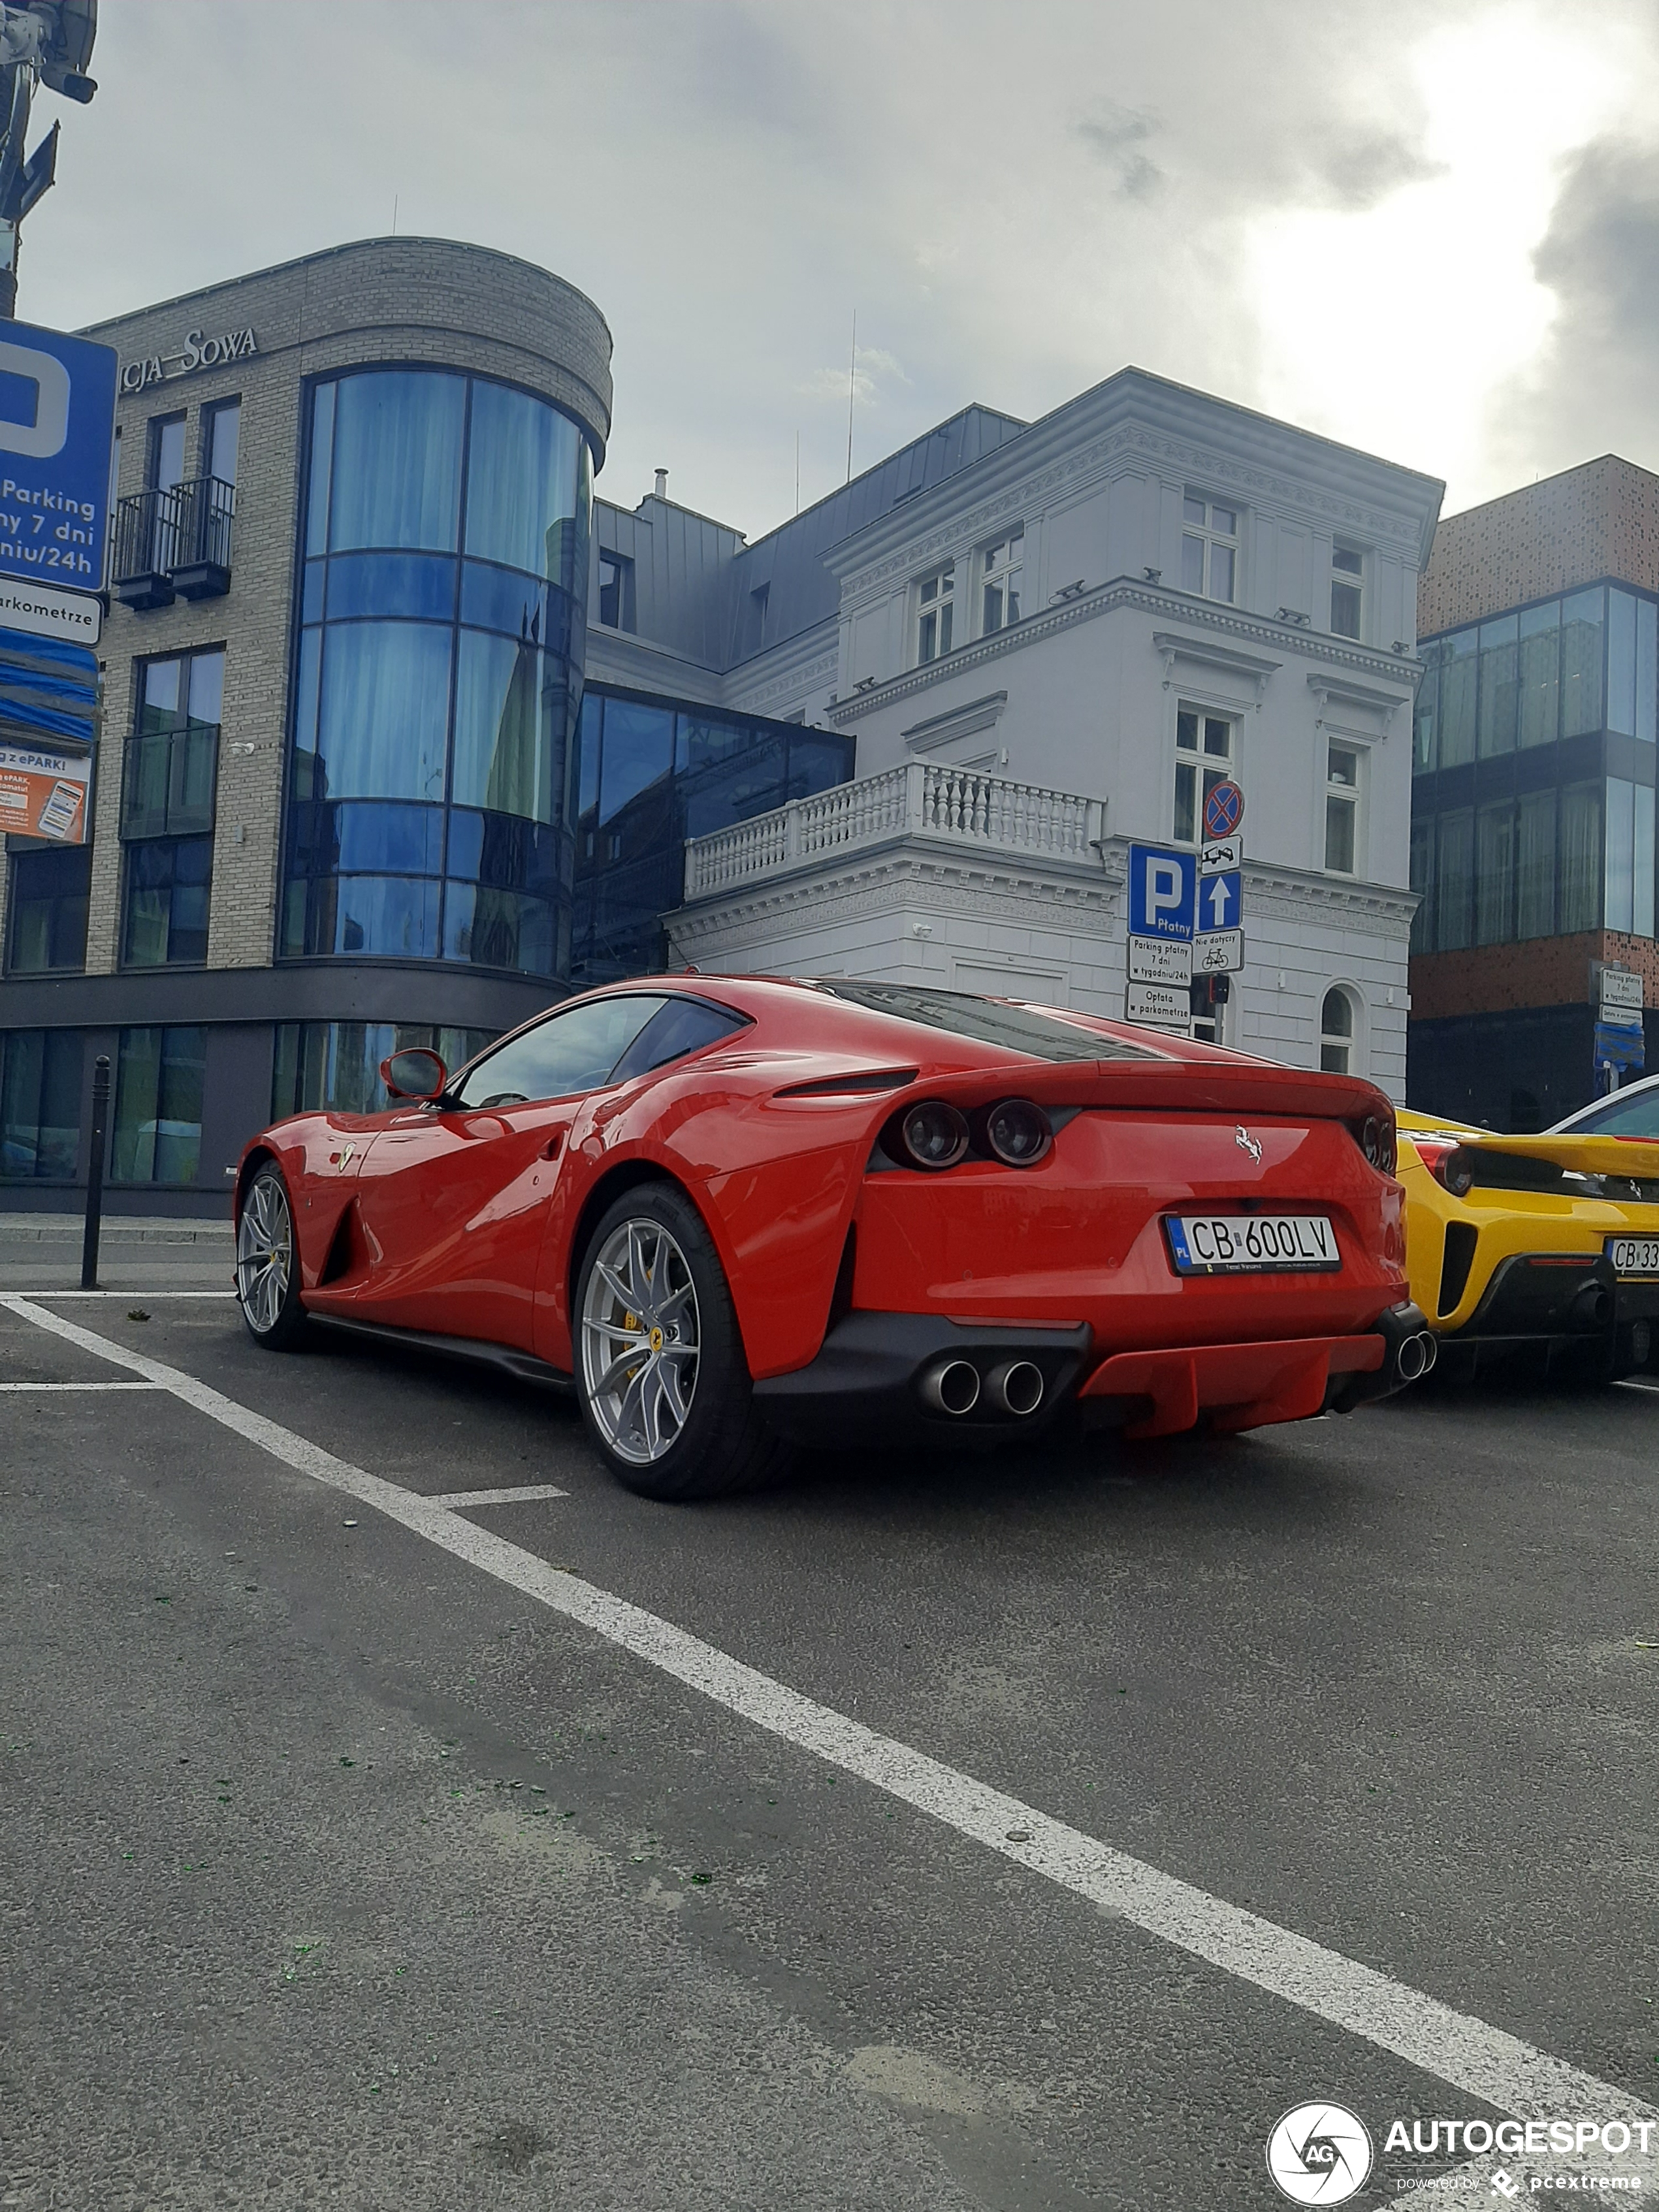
(42, 1252)
(335, 1871)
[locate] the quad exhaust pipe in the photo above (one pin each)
(1013, 1387)
(952, 1387)
(1416, 1356)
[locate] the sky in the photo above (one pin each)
(1429, 230)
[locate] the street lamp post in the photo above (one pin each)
(47, 42)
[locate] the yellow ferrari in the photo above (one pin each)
(1546, 1246)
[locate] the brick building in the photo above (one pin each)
(1532, 791)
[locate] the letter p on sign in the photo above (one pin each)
(45, 436)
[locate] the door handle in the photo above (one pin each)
(550, 1149)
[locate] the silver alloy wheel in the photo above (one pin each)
(640, 1341)
(265, 1254)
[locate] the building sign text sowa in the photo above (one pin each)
(196, 352)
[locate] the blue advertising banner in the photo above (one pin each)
(48, 688)
(57, 425)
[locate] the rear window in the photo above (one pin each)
(986, 1021)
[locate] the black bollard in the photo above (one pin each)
(95, 1173)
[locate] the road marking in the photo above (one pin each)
(1484, 2062)
(83, 1386)
(527, 1493)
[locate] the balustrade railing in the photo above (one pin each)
(920, 798)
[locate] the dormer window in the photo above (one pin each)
(1209, 548)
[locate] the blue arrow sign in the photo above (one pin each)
(1161, 887)
(1220, 901)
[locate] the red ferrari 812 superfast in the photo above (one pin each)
(729, 1211)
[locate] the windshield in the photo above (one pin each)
(1627, 1114)
(989, 1021)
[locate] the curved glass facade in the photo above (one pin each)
(439, 674)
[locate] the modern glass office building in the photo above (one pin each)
(1535, 737)
(347, 794)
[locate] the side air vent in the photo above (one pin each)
(1454, 1268)
(859, 1083)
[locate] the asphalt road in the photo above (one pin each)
(337, 1868)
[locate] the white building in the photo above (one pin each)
(1048, 649)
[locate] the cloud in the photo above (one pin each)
(1113, 136)
(1595, 389)
(1357, 170)
(1329, 214)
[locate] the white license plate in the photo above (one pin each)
(1633, 1255)
(1251, 1243)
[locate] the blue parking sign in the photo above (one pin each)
(56, 426)
(1161, 887)
(1220, 901)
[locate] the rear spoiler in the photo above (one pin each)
(1240, 1088)
(1634, 1158)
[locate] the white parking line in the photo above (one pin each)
(527, 1493)
(83, 1386)
(133, 1298)
(1484, 2062)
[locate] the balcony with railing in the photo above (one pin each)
(956, 807)
(174, 544)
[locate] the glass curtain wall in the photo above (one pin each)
(1533, 761)
(39, 1104)
(158, 1106)
(336, 1064)
(653, 775)
(439, 674)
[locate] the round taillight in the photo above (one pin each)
(932, 1134)
(1017, 1132)
(1457, 1173)
(1376, 1141)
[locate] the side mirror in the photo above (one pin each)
(415, 1072)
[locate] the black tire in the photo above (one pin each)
(680, 1420)
(268, 1264)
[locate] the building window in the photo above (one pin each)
(158, 1106)
(1534, 866)
(1453, 889)
(335, 1066)
(616, 591)
(169, 881)
(39, 1104)
(49, 894)
(438, 681)
(1629, 863)
(1336, 1039)
(1209, 549)
(165, 461)
(221, 433)
(1342, 810)
(1000, 567)
(1580, 878)
(1494, 873)
(172, 762)
(1203, 756)
(1348, 572)
(1422, 882)
(649, 778)
(934, 613)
